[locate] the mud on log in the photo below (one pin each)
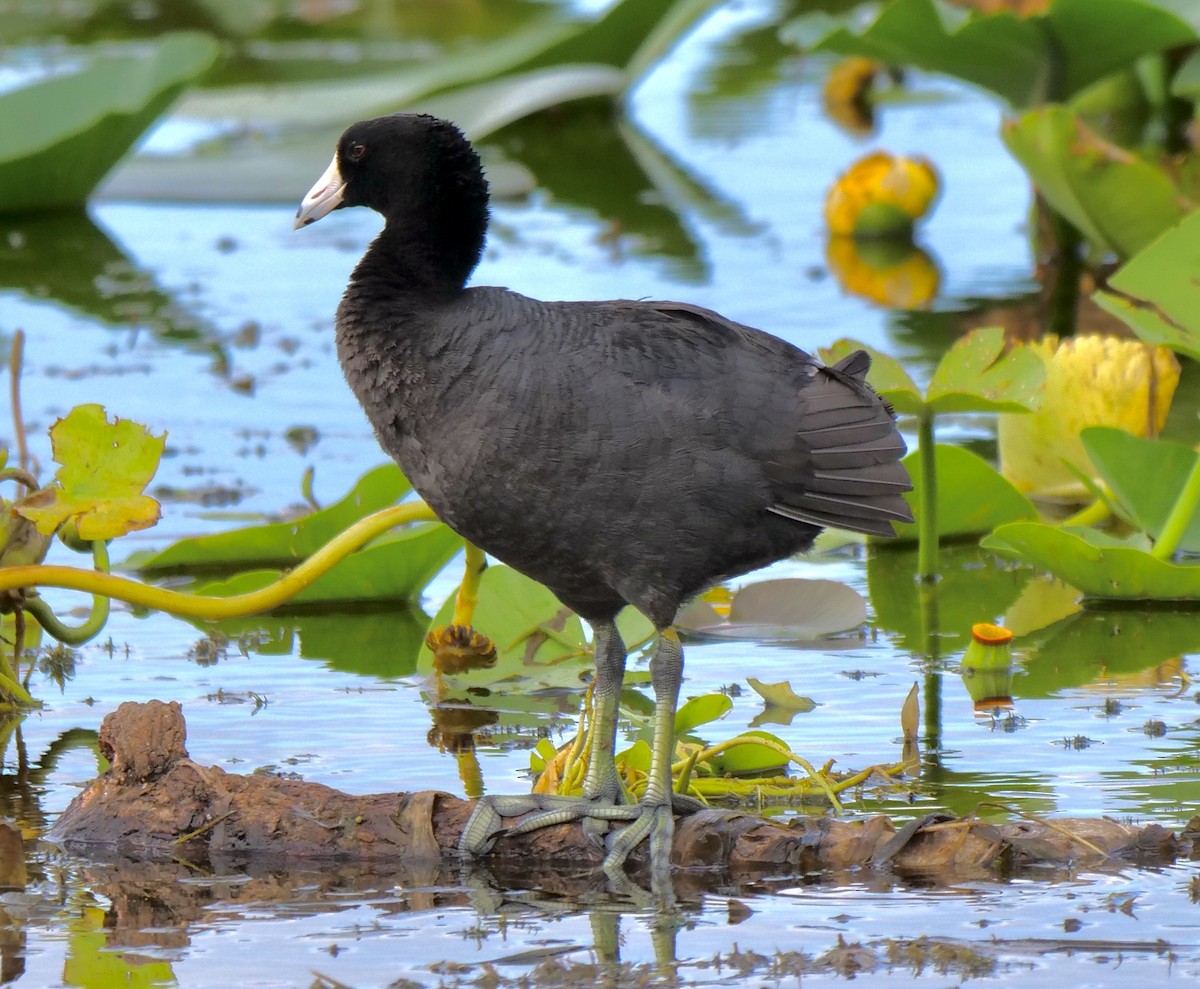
(155, 801)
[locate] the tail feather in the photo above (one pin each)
(845, 469)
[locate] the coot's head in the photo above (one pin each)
(422, 174)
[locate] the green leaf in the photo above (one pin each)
(887, 376)
(104, 468)
(539, 641)
(750, 760)
(1112, 572)
(60, 137)
(975, 375)
(702, 710)
(1119, 202)
(1157, 292)
(280, 543)
(973, 497)
(395, 567)
(1146, 477)
(1024, 60)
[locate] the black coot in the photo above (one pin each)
(618, 452)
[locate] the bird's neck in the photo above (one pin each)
(426, 251)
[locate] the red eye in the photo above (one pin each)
(356, 151)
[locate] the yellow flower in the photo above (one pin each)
(881, 195)
(896, 275)
(1091, 380)
(847, 94)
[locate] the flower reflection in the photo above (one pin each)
(896, 274)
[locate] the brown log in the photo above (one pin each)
(155, 802)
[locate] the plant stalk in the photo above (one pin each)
(927, 522)
(1182, 513)
(215, 608)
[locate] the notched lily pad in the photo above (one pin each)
(976, 375)
(104, 467)
(787, 610)
(1105, 572)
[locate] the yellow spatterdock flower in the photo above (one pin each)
(895, 274)
(881, 195)
(1091, 380)
(987, 666)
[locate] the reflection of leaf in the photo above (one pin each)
(104, 468)
(394, 567)
(1100, 571)
(1145, 476)
(1093, 645)
(280, 543)
(1157, 293)
(970, 588)
(1119, 202)
(373, 642)
(973, 496)
(61, 135)
(782, 610)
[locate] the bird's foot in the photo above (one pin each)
(458, 648)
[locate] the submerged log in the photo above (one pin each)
(156, 802)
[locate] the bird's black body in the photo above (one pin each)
(618, 452)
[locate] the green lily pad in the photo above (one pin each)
(540, 643)
(1120, 202)
(279, 543)
(1025, 60)
(975, 375)
(1104, 572)
(702, 710)
(973, 496)
(104, 467)
(887, 376)
(1145, 476)
(62, 135)
(1157, 293)
(395, 567)
(750, 760)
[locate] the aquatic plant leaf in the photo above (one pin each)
(395, 567)
(781, 695)
(789, 610)
(973, 496)
(702, 710)
(887, 376)
(539, 641)
(1145, 476)
(1104, 572)
(62, 135)
(104, 467)
(1120, 202)
(975, 375)
(1156, 291)
(279, 543)
(750, 760)
(1015, 57)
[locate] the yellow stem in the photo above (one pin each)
(215, 608)
(468, 590)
